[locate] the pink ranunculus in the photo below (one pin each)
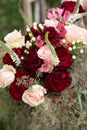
(34, 96)
(75, 33)
(14, 39)
(7, 75)
(54, 13)
(39, 41)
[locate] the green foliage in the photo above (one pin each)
(53, 3)
(9, 17)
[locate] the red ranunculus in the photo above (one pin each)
(32, 62)
(57, 80)
(20, 84)
(53, 36)
(65, 57)
(7, 58)
(69, 6)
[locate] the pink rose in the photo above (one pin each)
(14, 39)
(75, 33)
(44, 52)
(7, 75)
(34, 96)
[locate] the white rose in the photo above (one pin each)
(7, 75)
(14, 39)
(35, 96)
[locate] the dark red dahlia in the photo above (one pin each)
(70, 5)
(53, 36)
(57, 80)
(65, 57)
(20, 84)
(32, 62)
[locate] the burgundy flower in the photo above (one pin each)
(53, 36)
(7, 58)
(37, 32)
(20, 84)
(57, 80)
(61, 28)
(32, 62)
(69, 6)
(65, 56)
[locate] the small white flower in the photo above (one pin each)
(22, 58)
(41, 26)
(81, 51)
(70, 48)
(73, 57)
(74, 47)
(27, 29)
(33, 39)
(64, 40)
(73, 42)
(28, 44)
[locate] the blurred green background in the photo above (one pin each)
(9, 16)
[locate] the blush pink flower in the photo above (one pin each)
(46, 67)
(48, 58)
(45, 53)
(34, 96)
(54, 13)
(14, 39)
(75, 33)
(7, 75)
(39, 41)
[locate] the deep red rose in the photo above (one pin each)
(7, 58)
(57, 80)
(32, 62)
(53, 36)
(62, 30)
(20, 84)
(65, 56)
(69, 6)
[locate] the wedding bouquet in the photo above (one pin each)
(46, 60)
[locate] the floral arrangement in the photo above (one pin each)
(41, 61)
